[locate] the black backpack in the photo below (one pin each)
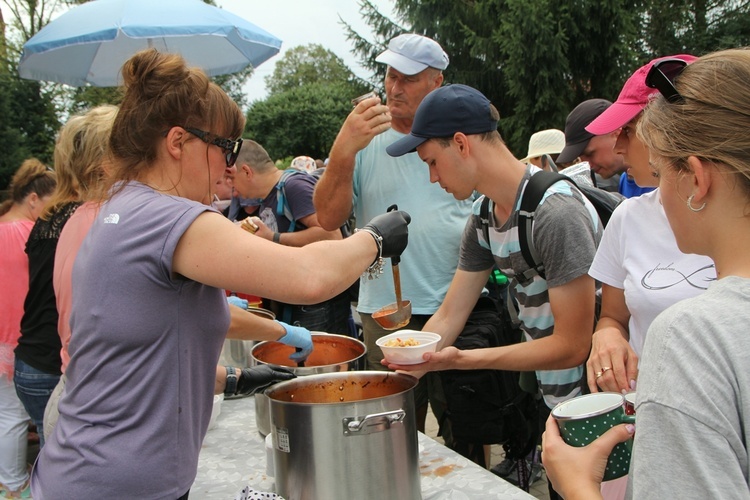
(603, 201)
(489, 406)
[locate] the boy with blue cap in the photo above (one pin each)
(455, 134)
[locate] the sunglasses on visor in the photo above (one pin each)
(661, 77)
(231, 148)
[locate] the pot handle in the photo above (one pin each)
(376, 422)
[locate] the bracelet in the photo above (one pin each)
(276, 237)
(231, 385)
(376, 268)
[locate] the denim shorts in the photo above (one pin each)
(34, 388)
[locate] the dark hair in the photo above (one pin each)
(161, 92)
(32, 176)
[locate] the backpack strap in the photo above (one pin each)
(484, 217)
(530, 199)
(282, 207)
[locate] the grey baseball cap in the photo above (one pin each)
(410, 54)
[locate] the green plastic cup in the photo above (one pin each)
(583, 419)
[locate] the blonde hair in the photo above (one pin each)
(713, 121)
(32, 176)
(161, 92)
(81, 151)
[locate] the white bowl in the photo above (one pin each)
(408, 355)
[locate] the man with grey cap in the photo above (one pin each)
(361, 176)
(455, 134)
(597, 150)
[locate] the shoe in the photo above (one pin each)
(535, 473)
(504, 468)
(23, 492)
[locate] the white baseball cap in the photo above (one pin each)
(410, 54)
(545, 142)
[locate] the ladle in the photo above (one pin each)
(398, 315)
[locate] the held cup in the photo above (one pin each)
(361, 98)
(583, 419)
(630, 403)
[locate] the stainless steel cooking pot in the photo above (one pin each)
(331, 353)
(345, 435)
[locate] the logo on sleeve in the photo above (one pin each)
(112, 219)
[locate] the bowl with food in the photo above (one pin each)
(406, 347)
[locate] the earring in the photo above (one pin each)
(691, 207)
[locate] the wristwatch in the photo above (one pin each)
(230, 388)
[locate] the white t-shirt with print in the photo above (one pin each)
(638, 253)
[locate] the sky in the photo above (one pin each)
(300, 22)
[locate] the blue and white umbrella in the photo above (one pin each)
(89, 43)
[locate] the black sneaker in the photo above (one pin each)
(504, 468)
(535, 473)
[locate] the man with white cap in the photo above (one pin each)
(361, 176)
(545, 144)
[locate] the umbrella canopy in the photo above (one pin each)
(90, 43)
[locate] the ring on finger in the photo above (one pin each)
(599, 374)
(605, 369)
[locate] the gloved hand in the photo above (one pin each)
(257, 378)
(297, 336)
(391, 226)
(236, 301)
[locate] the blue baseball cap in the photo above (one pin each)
(411, 54)
(445, 111)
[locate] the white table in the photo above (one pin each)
(233, 456)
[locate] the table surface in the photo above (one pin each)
(233, 457)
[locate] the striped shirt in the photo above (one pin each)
(567, 231)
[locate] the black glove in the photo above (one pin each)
(257, 378)
(392, 228)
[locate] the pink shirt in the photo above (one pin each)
(14, 277)
(71, 237)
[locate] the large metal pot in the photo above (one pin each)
(345, 435)
(331, 353)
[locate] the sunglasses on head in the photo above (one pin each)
(661, 77)
(231, 148)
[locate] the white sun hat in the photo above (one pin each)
(545, 142)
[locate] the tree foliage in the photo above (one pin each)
(310, 92)
(306, 64)
(300, 121)
(30, 118)
(537, 59)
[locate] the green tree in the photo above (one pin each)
(29, 113)
(534, 59)
(300, 121)
(307, 64)
(310, 92)
(696, 26)
(537, 59)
